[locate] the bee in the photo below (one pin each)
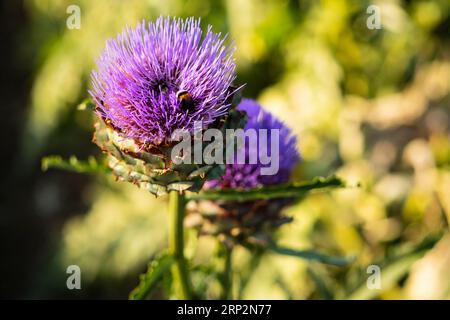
(186, 101)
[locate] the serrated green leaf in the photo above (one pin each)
(92, 165)
(155, 272)
(293, 190)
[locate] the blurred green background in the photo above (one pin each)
(370, 105)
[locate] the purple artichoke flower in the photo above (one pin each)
(163, 76)
(246, 176)
(153, 80)
(249, 221)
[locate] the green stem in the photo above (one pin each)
(176, 245)
(227, 276)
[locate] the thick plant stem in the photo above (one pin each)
(176, 245)
(227, 276)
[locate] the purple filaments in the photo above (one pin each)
(249, 175)
(163, 76)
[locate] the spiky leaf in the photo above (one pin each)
(293, 190)
(92, 165)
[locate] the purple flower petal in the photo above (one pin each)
(248, 176)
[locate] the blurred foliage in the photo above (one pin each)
(370, 105)
(92, 165)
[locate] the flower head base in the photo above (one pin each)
(163, 76)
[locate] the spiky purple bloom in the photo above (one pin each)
(248, 176)
(141, 71)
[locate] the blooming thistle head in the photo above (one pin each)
(247, 175)
(249, 221)
(163, 76)
(153, 81)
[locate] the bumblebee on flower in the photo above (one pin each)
(153, 80)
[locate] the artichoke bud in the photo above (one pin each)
(250, 222)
